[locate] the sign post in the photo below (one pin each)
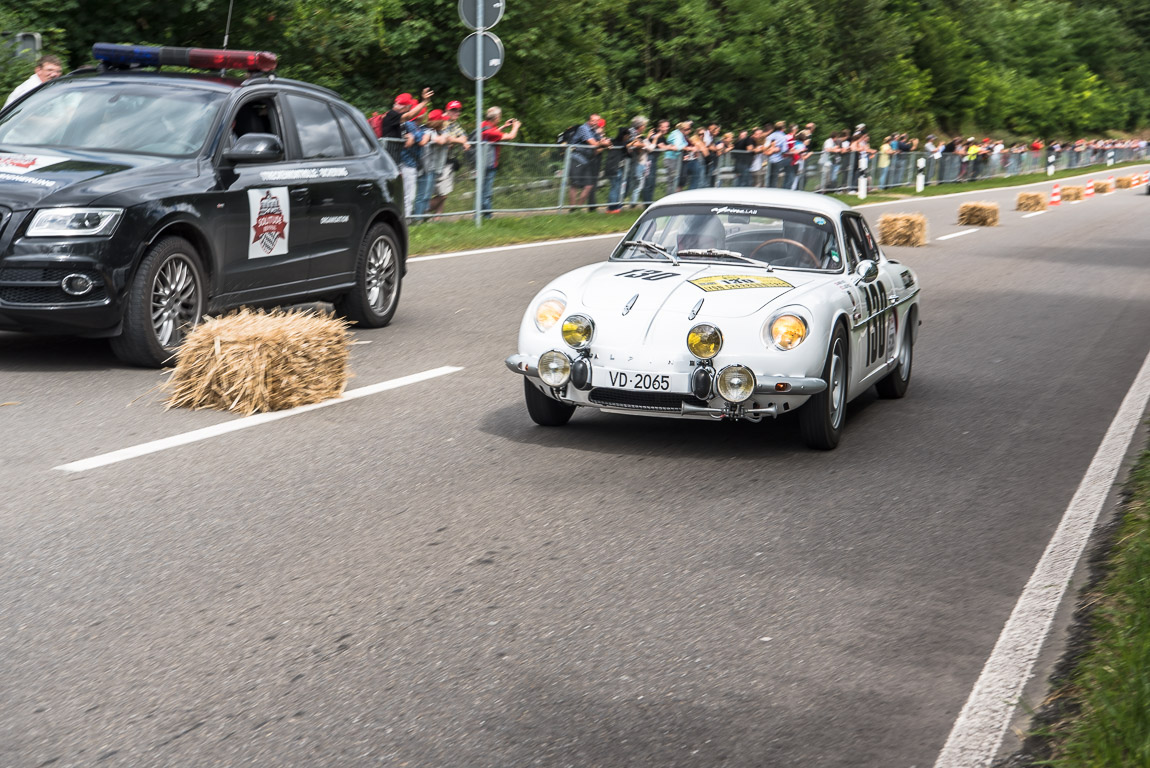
(480, 57)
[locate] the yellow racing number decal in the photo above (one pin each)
(732, 282)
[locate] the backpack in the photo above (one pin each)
(376, 123)
(567, 135)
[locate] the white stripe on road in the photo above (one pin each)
(977, 734)
(1030, 215)
(956, 234)
(497, 249)
(248, 421)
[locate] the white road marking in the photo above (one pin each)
(977, 734)
(956, 234)
(247, 421)
(520, 246)
(1030, 215)
(1076, 202)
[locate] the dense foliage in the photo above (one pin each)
(1024, 67)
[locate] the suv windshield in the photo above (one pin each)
(779, 237)
(153, 118)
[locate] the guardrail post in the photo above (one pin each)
(863, 160)
(920, 177)
(1110, 157)
(563, 180)
(1050, 164)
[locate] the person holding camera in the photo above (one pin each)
(454, 136)
(493, 132)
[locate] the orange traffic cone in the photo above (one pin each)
(1113, 184)
(1056, 195)
(1089, 189)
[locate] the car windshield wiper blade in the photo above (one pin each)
(653, 248)
(721, 253)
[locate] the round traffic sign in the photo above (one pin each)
(490, 61)
(469, 13)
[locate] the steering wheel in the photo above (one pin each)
(809, 252)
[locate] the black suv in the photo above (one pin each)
(132, 202)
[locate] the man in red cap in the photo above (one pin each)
(453, 136)
(405, 108)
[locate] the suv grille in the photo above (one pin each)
(643, 401)
(41, 285)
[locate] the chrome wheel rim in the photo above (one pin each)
(837, 384)
(381, 278)
(175, 300)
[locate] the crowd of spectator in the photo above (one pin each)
(430, 145)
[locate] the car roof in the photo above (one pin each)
(773, 198)
(204, 80)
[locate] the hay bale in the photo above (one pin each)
(908, 229)
(1102, 187)
(253, 361)
(1031, 201)
(981, 214)
(1073, 193)
(1125, 182)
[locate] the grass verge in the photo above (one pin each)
(1099, 716)
(462, 234)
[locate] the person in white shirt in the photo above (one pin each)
(47, 68)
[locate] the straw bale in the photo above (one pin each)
(1102, 187)
(1031, 201)
(981, 214)
(1125, 182)
(1073, 193)
(253, 361)
(907, 229)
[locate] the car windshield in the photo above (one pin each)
(779, 237)
(151, 118)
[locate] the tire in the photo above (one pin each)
(164, 302)
(894, 384)
(372, 302)
(545, 411)
(821, 417)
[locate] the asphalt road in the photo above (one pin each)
(423, 577)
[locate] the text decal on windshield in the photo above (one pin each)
(734, 282)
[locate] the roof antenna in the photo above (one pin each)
(227, 31)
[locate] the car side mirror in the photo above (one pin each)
(866, 271)
(255, 148)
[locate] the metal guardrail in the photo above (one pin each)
(540, 177)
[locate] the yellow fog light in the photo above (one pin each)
(736, 383)
(578, 330)
(548, 311)
(786, 331)
(554, 368)
(704, 341)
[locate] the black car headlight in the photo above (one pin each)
(74, 222)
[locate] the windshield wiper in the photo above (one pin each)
(653, 248)
(722, 254)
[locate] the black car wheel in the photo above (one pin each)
(373, 300)
(545, 411)
(821, 417)
(164, 302)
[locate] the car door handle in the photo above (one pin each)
(365, 188)
(300, 195)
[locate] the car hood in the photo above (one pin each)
(727, 290)
(63, 177)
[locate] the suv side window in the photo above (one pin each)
(319, 133)
(360, 145)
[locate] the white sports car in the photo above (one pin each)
(726, 304)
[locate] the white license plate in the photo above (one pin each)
(644, 382)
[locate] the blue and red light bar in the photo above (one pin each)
(196, 58)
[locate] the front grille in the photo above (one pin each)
(41, 285)
(643, 401)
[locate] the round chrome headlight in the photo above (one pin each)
(704, 341)
(578, 330)
(736, 383)
(554, 368)
(549, 310)
(785, 331)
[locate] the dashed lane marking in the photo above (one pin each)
(216, 430)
